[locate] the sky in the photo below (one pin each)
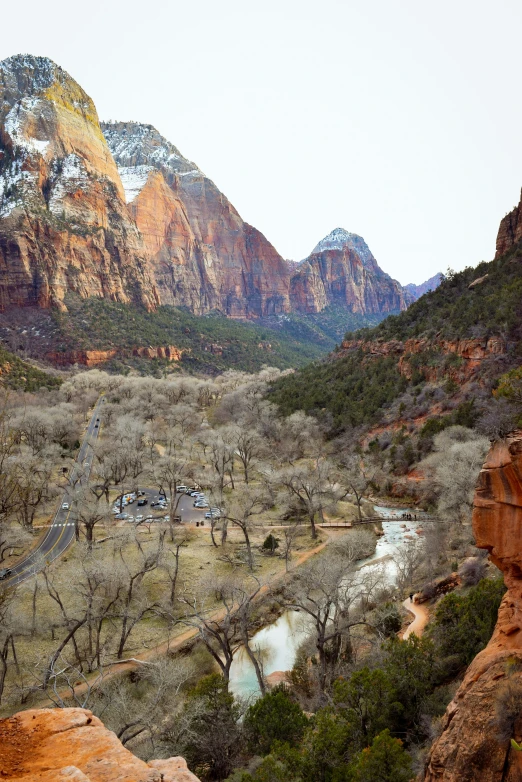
(395, 119)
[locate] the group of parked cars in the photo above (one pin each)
(200, 500)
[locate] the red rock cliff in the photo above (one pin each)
(468, 749)
(510, 230)
(71, 745)
(64, 224)
(204, 255)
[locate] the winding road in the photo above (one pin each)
(62, 530)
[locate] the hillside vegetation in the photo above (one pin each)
(353, 388)
(22, 376)
(211, 343)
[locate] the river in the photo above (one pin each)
(280, 640)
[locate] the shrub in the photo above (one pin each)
(275, 717)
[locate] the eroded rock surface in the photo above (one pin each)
(72, 745)
(469, 748)
(64, 223)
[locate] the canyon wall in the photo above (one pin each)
(64, 224)
(71, 745)
(204, 255)
(470, 748)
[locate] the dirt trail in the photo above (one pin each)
(176, 643)
(421, 617)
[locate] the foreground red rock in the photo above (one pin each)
(469, 749)
(71, 745)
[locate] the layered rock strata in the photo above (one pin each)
(472, 353)
(204, 255)
(116, 211)
(342, 271)
(470, 748)
(64, 224)
(72, 745)
(93, 358)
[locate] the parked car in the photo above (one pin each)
(213, 513)
(196, 493)
(4, 573)
(181, 489)
(122, 516)
(65, 506)
(156, 503)
(143, 501)
(139, 518)
(141, 494)
(201, 505)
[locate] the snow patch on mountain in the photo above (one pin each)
(42, 69)
(133, 144)
(14, 185)
(70, 176)
(134, 179)
(15, 122)
(339, 239)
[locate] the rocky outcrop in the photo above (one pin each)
(510, 230)
(204, 255)
(93, 358)
(72, 745)
(342, 271)
(64, 224)
(469, 748)
(471, 351)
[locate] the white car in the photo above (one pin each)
(139, 518)
(65, 506)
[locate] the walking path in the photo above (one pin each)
(421, 617)
(175, 643)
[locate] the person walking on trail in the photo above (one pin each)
(411, 597)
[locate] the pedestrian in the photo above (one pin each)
(411, 597)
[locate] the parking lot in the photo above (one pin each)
(189, 514)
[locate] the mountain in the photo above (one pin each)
(113, 211)
(428, 367)
(64, 224)
(342, 271)
(204, 255)
(416, 291)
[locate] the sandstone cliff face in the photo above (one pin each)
(510, 230)
(468, 749)
(64, 224)
(71, 745)
(204, 255)
(116, 211)
(342, 271)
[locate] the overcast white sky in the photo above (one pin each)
(396, 119)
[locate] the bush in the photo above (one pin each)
(385, 761)
(275, 717)
(472, 571)
(270, 544)
(464, 624)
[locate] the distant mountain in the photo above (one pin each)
(419, 290)
(342, 271)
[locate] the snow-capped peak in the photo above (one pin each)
(339, 239)
(134, 144)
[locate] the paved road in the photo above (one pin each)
(61, 532)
